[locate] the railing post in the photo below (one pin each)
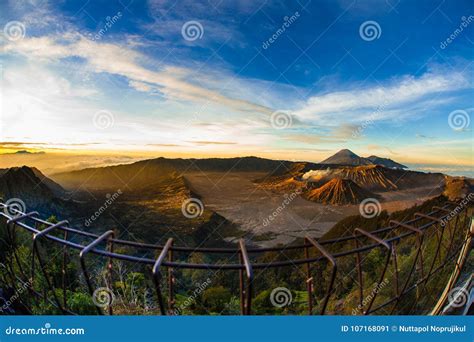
(170, 284)
(440, 239)
(450, 228)
(63, 270)
(11, 234)
(419, 242)
(82, 256)
(333, 262)
(110, 246)
(35, 250)
(247, 305)
(359, 268)
(157, 273)
(309, 280)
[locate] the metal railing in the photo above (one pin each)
(452, 214)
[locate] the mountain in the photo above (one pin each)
(159, 171)
(371, 177)
(30, 186)
(376, 178)
(145, 173)
(339, 191)
(386, 162)
(346, 157)
(349, 158)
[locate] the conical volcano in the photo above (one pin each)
(339, 192)
(346, 157)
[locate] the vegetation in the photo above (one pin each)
(201, 292)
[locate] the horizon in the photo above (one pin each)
(42, 163)
(141, 80)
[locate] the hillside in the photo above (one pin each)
(387, 162)
(147, 172)
(377, 178)
(29, 184)
(31, 190)
(338, 192)
(373, 177)
(458, 187)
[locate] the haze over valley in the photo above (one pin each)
(268, 202)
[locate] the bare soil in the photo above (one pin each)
(280, 216)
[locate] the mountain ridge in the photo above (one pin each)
(349, 158)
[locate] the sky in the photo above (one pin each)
(294, 80)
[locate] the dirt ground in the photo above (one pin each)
(282, 217)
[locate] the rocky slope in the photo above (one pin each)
(31, 190)
(387, 162)
(29, 184)
(338, 192)
(458, 187)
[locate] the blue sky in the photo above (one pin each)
(278, 79)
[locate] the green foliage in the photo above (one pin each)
(135, 292)
(215, 299)
(81, 303)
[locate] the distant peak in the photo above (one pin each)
(346, 151)
(346, 157)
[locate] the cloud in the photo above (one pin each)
(372, 147)
(422, 136)
(164, 145)
(213, 142)
(120, 60)
(386, 100)
(319, 135)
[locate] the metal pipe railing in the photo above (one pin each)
(245, 266)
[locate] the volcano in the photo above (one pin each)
(339, 191)
(346, 157)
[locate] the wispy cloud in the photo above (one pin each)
(386, 99)
(213, 142)
(166, 93)
(120, 60)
